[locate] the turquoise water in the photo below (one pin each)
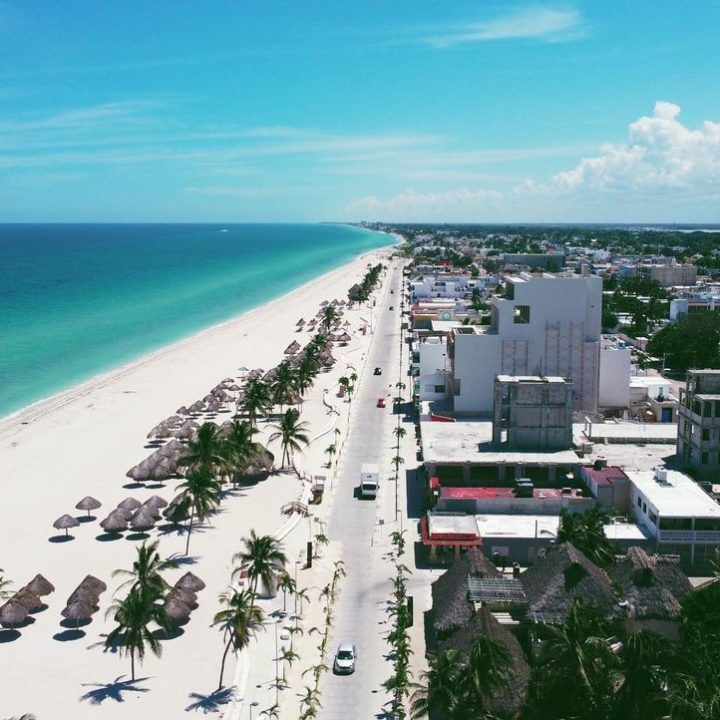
(76, 300)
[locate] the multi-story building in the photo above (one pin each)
(543, 325)
(532, 413)
(698, 443)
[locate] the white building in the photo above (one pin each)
(674, 510)
(614, 381)
(443, 286)
(432, 368)
(544, 325)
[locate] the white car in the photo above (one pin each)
(345, 659)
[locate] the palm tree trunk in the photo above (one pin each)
(222, 665)
(132, 664)
(187, 544)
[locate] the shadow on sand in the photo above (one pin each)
(69, 635)
(60, 538)
(112, 691)
(211, 702)
(9, 635)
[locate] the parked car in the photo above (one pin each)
(392, 307)
(345, 658)
(377, 371)
(380, 402)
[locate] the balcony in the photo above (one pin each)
(689, 536)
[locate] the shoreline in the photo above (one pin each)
(38, 408)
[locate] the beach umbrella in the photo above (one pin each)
(189, 581)
(88, 503)
(184, 595)
(28, 599)
(90, 581)
(156, 501)
(292, 348)
(197, 407)
(77, 611)
(235, 387)
(125, 513)
(85, 595)
(150, 510)
(163, 469)
(115, 522)
(182, 411)
(300, 322)
(173, 420)
(170, 449)
(12, 613)
(143, 520)
(208, 398)
(65, 522)
(177, 611)
(129, 503)
(40, 586)
(323, 303)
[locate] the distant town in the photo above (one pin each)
(566, 384)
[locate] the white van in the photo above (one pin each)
(369, 480)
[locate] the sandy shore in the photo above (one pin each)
(82, 442)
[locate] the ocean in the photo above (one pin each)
(77, 300)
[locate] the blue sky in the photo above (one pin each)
(400, 111)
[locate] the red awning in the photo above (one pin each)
(434, 482)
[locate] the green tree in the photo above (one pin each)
(240, 448)
(134, 615)
(586, 531)
(283, 385)
(206, 452)
(146, 573)
(201, 491)
(239, 621)
(287, 585)
(257, 401)
(292, 435)
(262, 559)
(329, 316)
(691, 342)
(438, 694)
(487, 671)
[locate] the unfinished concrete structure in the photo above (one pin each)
(532, 413)
(698, 440)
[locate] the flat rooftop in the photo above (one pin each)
(679, 497)
(501, 493)
(442, 525)
(627, 432)
(470, 441)
(517, 526)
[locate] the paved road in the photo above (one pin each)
(360, 609)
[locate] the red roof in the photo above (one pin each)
(447, 539)
(606, 475)
(494, 493)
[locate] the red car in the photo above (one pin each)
(381, 402)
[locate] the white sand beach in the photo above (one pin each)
(81, 443)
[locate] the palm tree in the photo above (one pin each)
(306, 371)
(397, 461)
(283, 388)
(287, 585)
(399, 432)
(487, 671)
(202, 491)
(257, 401)
(145, 575)
(291, 433)
(240, 447)
(239, 621)
(329, 317)
(206, 451)
(574, 669)
(133, 614)
(4, 583)
(301, 594)
(287, 656)
(645, 659)
(586, 531)
(272, 713)
(263, 560)
(330, 450)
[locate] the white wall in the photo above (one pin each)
(614, 388)
(433, 365)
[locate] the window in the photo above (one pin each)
(645, 508)
(521, 314)
(705, 434)
(704, 458)
(439, 388)
(639, 502)
(456, 387)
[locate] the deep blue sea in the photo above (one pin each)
(76, 300)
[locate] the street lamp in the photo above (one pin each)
(277, 657)
(253, 705)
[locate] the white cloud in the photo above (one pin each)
(544, 23)
(660, 153)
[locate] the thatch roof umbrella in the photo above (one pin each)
(173, 420)
(115, 522)
(40, 585)
(125, 513)
(208, 398)
(190, 581)
(185, 595)
(85, 595)
(212, 405)
(235, 387)
(300, 322)
(93, 583)
(77, 611)
(29, 599)
(143, 519)
(156, 501)
(65, 522)
(163, 469)
(129, 503)
(170, 449)
(12, 613)
(292, 348)
(88, 503)
(182, 411)
(150, 510)
(324, 303)
(177, 611)
(185, 431)
(197, 406)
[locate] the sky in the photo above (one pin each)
(402, 111)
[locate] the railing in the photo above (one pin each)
(689, 536)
